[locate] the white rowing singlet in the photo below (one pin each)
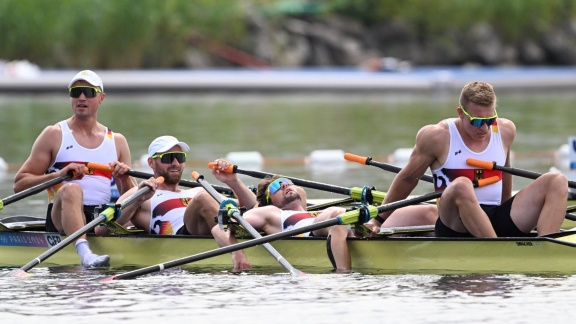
(96, 186)
(456, 166)
(292, 219)
(167, 210)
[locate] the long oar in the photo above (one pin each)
(144, 175)
(519, 172)
(34, 190)
(233, 212)
(106, 215)
(365, 194)
(384, 166)
(359, 215)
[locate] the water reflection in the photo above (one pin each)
(479, 285)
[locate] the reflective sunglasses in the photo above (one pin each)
(478, 121)
(275, 186)
(89, 92)
(168, 157)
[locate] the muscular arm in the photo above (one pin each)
(41, 157)
(430, 142)
(123, 182)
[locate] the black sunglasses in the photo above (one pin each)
(168, 157)
(89, 92)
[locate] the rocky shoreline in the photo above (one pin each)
(336, 42)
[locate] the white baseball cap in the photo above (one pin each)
(88, 76)
(164, 143)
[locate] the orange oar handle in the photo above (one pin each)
(195, 175)
(98, 166)
(488, 181)
(480, 164)
(355, 158)
(160, 179)
(230, 169)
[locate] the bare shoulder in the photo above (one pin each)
(430, 135)
(51, 131)
(49, 140)
(120, 139)
(507, 130)
(44, 151)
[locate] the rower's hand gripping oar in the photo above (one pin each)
(366, 195)
(107, 215)
(144, 175)
(232, 210)
(384, 166)
(34, 190)
(359, 215)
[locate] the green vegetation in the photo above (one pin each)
(112, 33)
(157, 33)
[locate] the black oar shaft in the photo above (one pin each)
(34, 190)
(384, 166)
(298, 182)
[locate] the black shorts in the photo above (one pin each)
(182, 231)
(500, 219)
(88, 213)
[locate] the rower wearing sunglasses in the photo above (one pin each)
(169, 209)
(488, 211)
(281, 207)
(63, 149)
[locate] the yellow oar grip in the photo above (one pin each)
(355, 158)
(213, 165)
(480, 164)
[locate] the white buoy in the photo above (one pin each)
(326, 161)
(246, 160)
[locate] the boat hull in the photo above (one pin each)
(377, 255)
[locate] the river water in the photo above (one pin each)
(284, 129)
